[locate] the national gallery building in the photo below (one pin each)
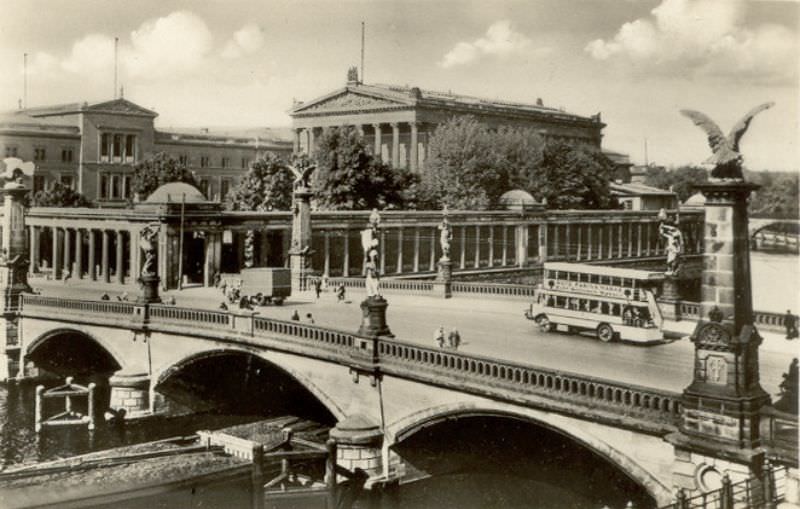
(397, 122)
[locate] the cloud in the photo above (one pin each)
(705, 38)
(92, 53)
(500, 39)
(248, 39)
(176, 43)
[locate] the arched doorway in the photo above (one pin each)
(498, 460)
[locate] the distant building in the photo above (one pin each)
(622, 165)
(397, 121)
(634, 196)
(92, 148)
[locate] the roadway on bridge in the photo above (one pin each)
(496, 327)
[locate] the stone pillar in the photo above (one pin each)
(647, 238)
(300, 250)
(491, 246)
(383, 251)
(326, 236)
(400, 250)
(346, 254)
(56, 254)
(579, 247)
(395, 145)
(118, 245)
(589, 241)
(638, 240)
(359, 442)
(133, 255)
(619, 240)
(720, 408)
(504, 256)
(522, 243)
(416, 250)
(295, 148)
(477, 246)
(67, 253)
(378, 142)
(556, 247)
(78, 254)
(104, 259)
(600, 230)
(543, 254)
(311, 141)
(610, 241)
(463, 261)
(32, 266)
(130, 392)
(413, 163)
(92, 262)
(630, 239)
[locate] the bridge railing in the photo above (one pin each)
(496, 289)
(767, 320)
(201, 317)
(315, 334)
(83, 307)
(494, 375)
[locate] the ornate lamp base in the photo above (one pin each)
(373, 323)
(149, 285)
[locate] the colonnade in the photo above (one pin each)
(97, 254)
(405, 143)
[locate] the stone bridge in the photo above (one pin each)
(400, 387)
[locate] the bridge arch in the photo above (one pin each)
(102, 351)
(162, 374)
(409, 425)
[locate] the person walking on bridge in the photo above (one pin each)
(438, 337)
(790, 322)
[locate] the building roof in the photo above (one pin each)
(21, 121)
(636, 189)
(379, 97)
(176, 192)
(695, 200)
(253, 136)
(517, 197)
(115, 106)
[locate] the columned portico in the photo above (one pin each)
(78, 254)
(378, 146)
(395, 144)
(118, 264)
(414, 152)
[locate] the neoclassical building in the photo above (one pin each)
(397, 121)
(92, 147)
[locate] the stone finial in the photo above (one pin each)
(352, 75)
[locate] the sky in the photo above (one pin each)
(243, 62)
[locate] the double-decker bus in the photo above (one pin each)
(612, 302)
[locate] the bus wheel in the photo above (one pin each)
(605, 333)
(544, 323)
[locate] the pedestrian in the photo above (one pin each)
(244, 303)
(790, 323)
(223, 306)
(340, 293)
(317, 287)
(438, 337)
(296, 316)
(324, 281)
(454, 339)
(105, 297)
(309, 318)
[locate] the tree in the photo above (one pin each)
(267, 185)
(348, 177)
(680, 180)
(157, 170)
(573, 177)
(59, 195)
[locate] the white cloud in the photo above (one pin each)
(500, 39)
(703, 37)
(92, 53)
(172, 44)
(248, 39)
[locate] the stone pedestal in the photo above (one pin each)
(300, 250)
(669, 302)
(442, 285)
(373, 323)
(359, 442)
(130, 392)
(149, 285)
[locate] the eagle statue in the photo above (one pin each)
(15, 168)
(302, 175)
(726, 158)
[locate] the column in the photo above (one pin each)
(395, 145)
(600, 228)
(619, 241)
(589, 241)
(92, 262)
(400, 250)
(133, 256)
(434, 240)
(505, 246)
(119, 257)
(346, 256)
(647, 238)
(580, 246)
(34, 255)
(544, 255)
(326, 236)
(638, 240)
(296, 148)
(310, 134)
(463, 263)
(378, 143)
(568, 243)
(360, 129)
(383, 251)
(414, 153)
(556, 247)
(610, 240)
(416, 249)
(477, 246)
(67, 258)
(56, 255)
(491, 245)
(104, 259)
(630, 240)
(78, 254)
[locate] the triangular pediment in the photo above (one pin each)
(348, 101)
(119, 106)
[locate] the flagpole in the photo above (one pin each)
(180, 246)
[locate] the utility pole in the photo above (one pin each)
(362, 51)
(116, 44)
(24, 80)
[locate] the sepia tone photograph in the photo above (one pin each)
(399, 254)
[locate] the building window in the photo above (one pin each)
(102, 192)
(39, 154)
(11, 151)
(38, 183)
(126, 186)
(204, 161)
(66, 155)
(130, 148)
(116, 187)
(117, 147)
(183, 159)
(226, 161)
(204, 187)
(224, 187)
(67, 181)
(244, 163)
(104, 143)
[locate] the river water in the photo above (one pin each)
(565, 479)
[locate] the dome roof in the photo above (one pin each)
(695, 200)
(175, 192)
(517, 197)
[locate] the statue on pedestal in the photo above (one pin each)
(148, 240)
(369, 243)
(674, 237)
(726, 158)
(445, 235)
